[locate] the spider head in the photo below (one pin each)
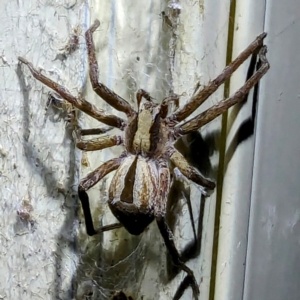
(143, 132)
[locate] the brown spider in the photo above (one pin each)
(139, 190)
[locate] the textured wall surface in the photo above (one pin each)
(252, 243)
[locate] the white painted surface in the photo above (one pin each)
(238, 168)
(258, 254)
(38, 162)
(273, 259)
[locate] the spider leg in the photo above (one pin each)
(92, 131)
(181, 288)
(142, 94)
(89, 181)
(80, 103)
(104, 92)
(188, 171)
(213, 85)
(164, 107)
(169, 242)
(109, 227)
(96, 143)
(218, 109)
(166, 232)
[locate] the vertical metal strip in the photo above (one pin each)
(222, 149)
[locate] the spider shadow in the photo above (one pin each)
(246, 128)
(195, 150)
(66, 238)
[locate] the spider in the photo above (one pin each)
(139, 189)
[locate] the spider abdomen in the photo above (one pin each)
(133, 192)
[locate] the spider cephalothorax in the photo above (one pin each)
(139, 190)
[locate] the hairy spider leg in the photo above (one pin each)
(80, 103)
(94, 131)
(218, 109)
(142, 94)
(89, 181)
(213, 85)
(100, 89)
(96, 143)
(166, 232)
(109, 227)
(188, 171)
